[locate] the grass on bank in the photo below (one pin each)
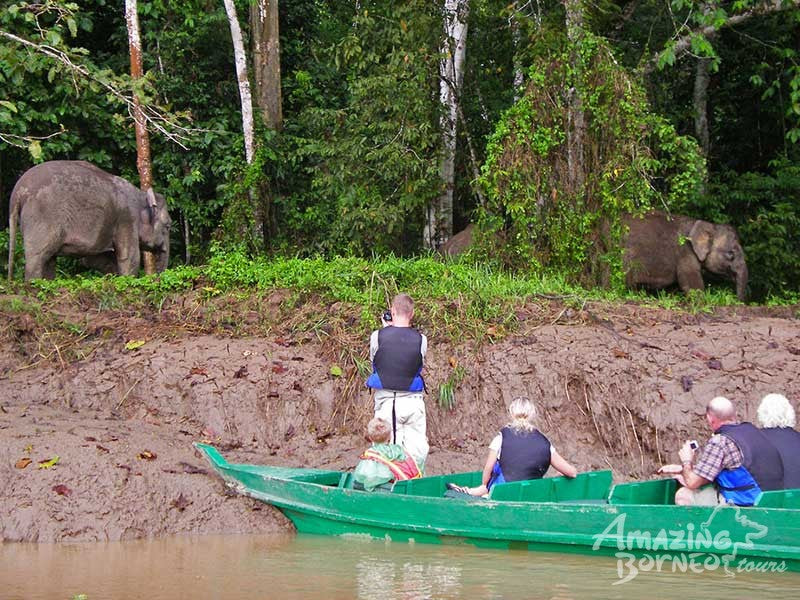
(454, 298)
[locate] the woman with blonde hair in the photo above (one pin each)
(777, 419)
(520, 451)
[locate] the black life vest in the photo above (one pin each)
(397, 364)
(787, 441)
(759, 456)
(524, 454)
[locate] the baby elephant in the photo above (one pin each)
(75, 208)
(662, 250)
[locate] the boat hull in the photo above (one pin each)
(318, 502)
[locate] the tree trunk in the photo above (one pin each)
(576, 126)
(259, 231)
(143, 163)
(516, 37)
(266, 61)
(701, 81)
(439, 222)
(244, 83)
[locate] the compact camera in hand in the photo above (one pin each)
(693, 444)
(387, 316)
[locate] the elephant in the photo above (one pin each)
(75, 208)
(459, 243)
(662, 250)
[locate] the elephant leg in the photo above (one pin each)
(690, 279)
(689, 271)
(39, 261)
(34, 267)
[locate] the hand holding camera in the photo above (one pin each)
(386, 318)
(687, 451)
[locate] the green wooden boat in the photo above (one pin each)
(635, 522)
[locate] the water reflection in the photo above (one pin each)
(316, 568)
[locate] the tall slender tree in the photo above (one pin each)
(576, 128)
(265, 48)
(439, 222)
(143, 162)
(245, 96)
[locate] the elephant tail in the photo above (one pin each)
(13, 218)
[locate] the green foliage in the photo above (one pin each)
(114, 291)
(368, 154)
(358, 157)
(18, 255)
(632, 160)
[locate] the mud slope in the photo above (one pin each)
(618, 388)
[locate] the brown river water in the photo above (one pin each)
(316, 568)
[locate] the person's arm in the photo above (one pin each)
(561, 465)
(373, 345)
(491, 458)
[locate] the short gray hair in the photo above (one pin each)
(721, 408)
(775, 411)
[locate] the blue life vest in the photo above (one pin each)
(524, 454)
(397, 365)
(787, 441)
(737, 486)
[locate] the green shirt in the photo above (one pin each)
(370, 473)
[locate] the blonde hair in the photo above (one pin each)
(403, 305)
(379, 431)
(522, 412)
(775, 411)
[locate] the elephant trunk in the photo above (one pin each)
(162, 257)
(741, 282)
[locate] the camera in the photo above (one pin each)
(693, 445)
(387, 316)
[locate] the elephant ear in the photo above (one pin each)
(701, 236)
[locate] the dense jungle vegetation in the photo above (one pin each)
(561, 117)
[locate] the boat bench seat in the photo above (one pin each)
(586, 488)
(436, 485)
(656, 491)
(779, 499)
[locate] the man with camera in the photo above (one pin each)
(397, 352)
(738, 459)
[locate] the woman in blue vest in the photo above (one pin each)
(777, 419)
(518, 452)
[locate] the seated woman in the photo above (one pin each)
(776, 418)
(383, 462)
(518, 452)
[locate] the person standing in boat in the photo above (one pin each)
(383, 462)
(776, 418)
(397, 352)
(520, 451)
(738, 459)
